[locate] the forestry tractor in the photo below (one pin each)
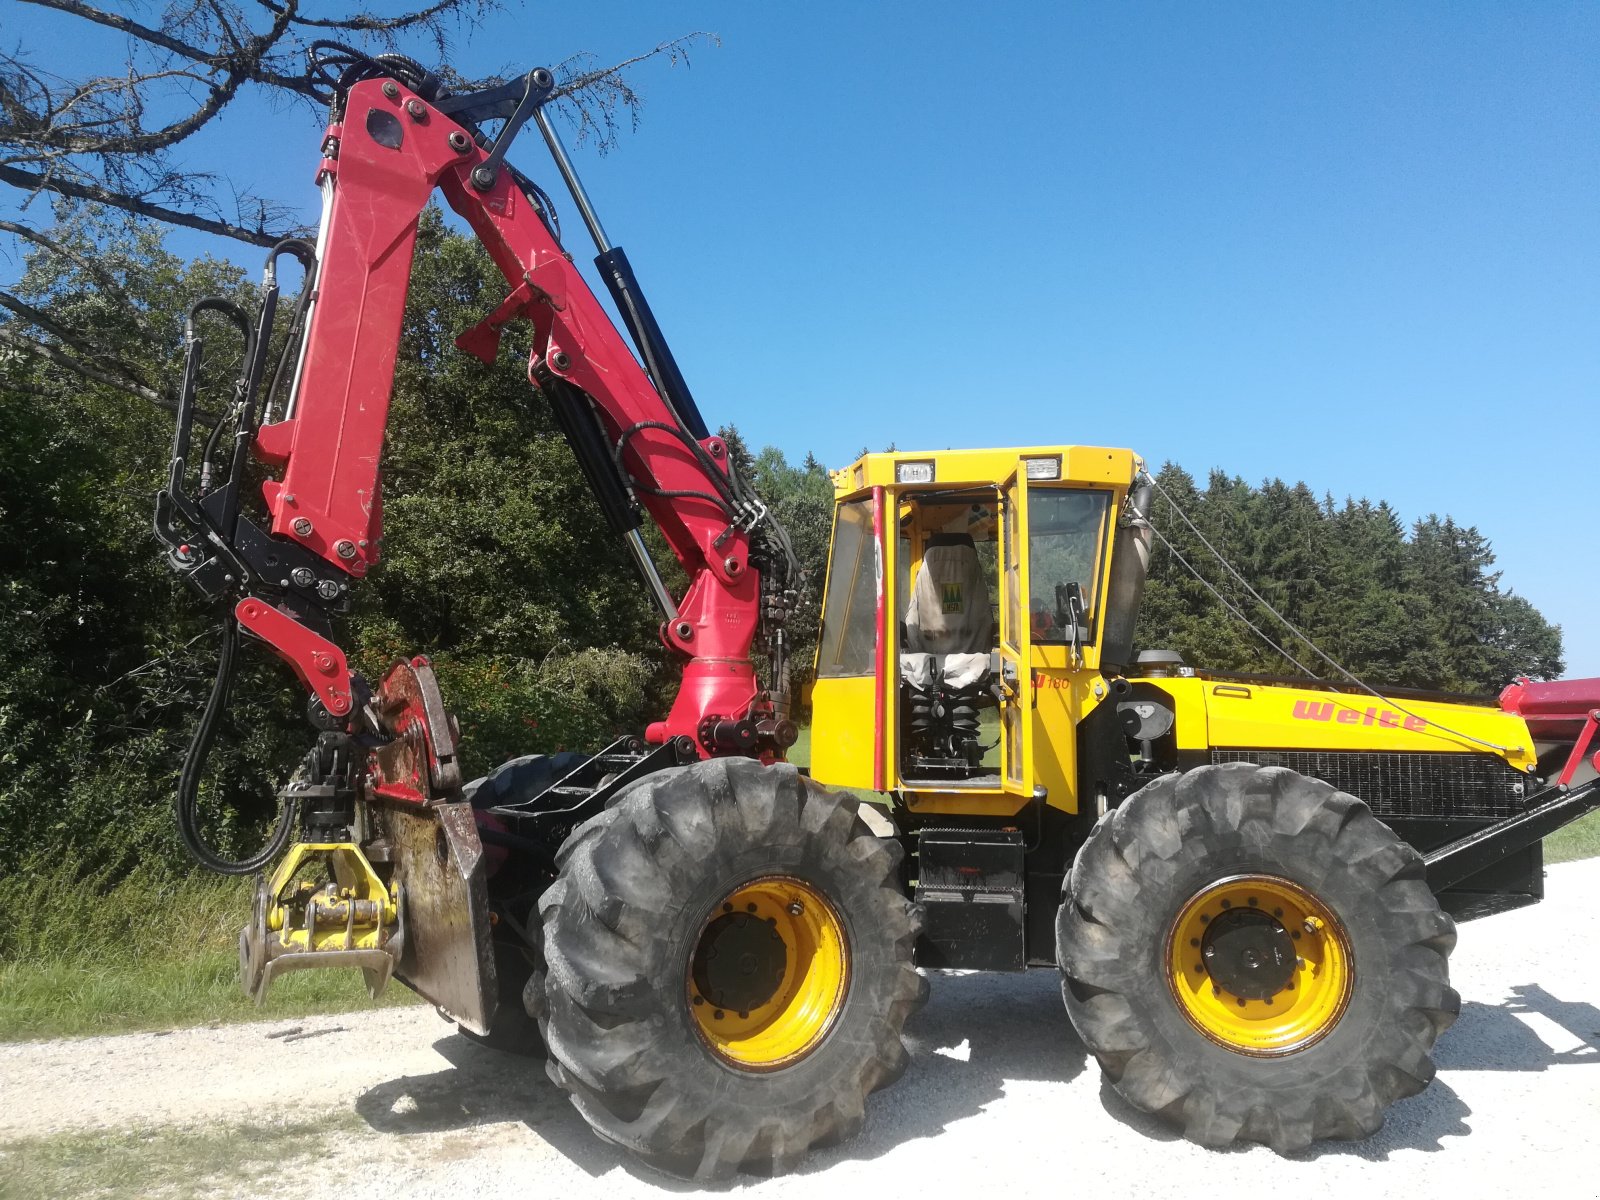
(1249, 885)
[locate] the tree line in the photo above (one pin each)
(497, 563)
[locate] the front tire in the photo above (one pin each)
(1253, 956)
(729, 968)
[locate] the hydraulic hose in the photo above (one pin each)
(188, 801)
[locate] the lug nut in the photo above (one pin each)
(1312, 925)
(302, 526)
(796, 908)
(345, 548)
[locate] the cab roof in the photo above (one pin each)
(943, 469)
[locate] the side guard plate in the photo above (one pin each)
(448, 959)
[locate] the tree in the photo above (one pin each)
(497, 563)
(113, 136)
(1425, 612)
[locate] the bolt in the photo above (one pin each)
(699, 1000)
(1227, 904)
(727, 908)
(289, 498)
(302, 526)
(416, 109)
(1312, 925)
(328, 589)
(1199, 966)
(731, 565)
(302, 576)
(716, 450)
(345, 548)
(390, 90)
(1241, 1001)
(717, 1016)
(1251, 902)
(684, 630)
(750, 908)
(560, 361)
(458, 142)
(1194, 941)
(796, 908)
(744, 1016)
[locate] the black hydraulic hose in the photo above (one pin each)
(187, 805)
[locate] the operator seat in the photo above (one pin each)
(944, 666)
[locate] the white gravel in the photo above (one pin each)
(1000, 1097)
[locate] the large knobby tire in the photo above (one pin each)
(645, 887)
(1365, 964)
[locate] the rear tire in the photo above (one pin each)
(1225, 1066)
(642, 888)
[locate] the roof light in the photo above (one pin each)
(913, 472)
(1042, 468)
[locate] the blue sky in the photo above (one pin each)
(1356, 245)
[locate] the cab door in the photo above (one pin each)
(1016, 646)
(848, 743)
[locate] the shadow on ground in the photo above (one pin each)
(976, 1033)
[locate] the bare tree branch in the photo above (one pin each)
(112, 137)
(60, 358)
(79, 190)
(87, 265)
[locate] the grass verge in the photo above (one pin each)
(168, 1163)
(81, 956)
(1581, 839)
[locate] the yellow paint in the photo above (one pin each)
(1299, 1014)
(355, 887)
(842, 748)
(811, 992)
(1256, 716)
(856, 746)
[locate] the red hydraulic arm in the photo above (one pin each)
(384, 155)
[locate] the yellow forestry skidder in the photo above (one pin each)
(1247, 884)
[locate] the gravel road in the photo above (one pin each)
(1000, 1095)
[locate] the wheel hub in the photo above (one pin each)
(1258, 964)
(1249, 953)
(768, 973)
(741, 962)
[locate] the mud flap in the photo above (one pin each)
(448, 957)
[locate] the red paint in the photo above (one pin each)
(879, 690)
(318, 662)
(1327, 710)
(329, 453)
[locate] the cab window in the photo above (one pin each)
(1066, 537)
(850, 608)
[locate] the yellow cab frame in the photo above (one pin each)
(1072, 725)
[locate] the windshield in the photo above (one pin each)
(1066, 536)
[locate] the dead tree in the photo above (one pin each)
(92, 139)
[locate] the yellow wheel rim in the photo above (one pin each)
(768, 973)
(1259, 965)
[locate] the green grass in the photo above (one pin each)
(169, 1163)
(81, 956)
(800, 753)
(1581, 839)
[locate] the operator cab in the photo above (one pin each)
(959, 584)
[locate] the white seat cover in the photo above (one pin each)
(948, 619)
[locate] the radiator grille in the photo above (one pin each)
(1417, 784)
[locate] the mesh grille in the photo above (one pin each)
(1415, 784)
